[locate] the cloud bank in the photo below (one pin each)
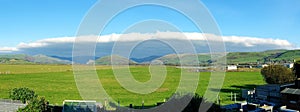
(62, 46)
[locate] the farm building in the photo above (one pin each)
(232, 67)
(263, 65)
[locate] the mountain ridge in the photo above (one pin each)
(281, 55)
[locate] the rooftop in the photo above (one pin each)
(291, 91)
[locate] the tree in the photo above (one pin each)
(277, 74)
(38, 104)
(296, 69)
(26, 95)
(22, 94)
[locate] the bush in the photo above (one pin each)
(22, 94)
(38, 104)
(277, 74)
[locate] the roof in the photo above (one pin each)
(10, 106)
(291, 91)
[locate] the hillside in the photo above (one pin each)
(118, 60)
(234, 57)
(288, 55)
(263, 57)
(145, 59)
(185, 59)
(48, 60)
(13, 61)
(281, 56)
(27, 59)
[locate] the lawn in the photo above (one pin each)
(56, 83)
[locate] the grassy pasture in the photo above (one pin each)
(57, 83)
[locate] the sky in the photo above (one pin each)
(27, 25)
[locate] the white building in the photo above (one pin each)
(263, 66)
(289, 65)
(232, 67)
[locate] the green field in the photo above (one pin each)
(56, 83)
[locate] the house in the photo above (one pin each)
(291, 95)
(269, 93)
(81, 105)
(263, 66)
(291, 98)
(232, 67)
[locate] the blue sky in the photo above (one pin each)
(258, 18)
(32, 20)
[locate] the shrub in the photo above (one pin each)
(38, 104)
(22, 94)
(277, 74)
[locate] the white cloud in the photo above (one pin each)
(8, 49)
(45, 42)
(231, 42)
(253, 41)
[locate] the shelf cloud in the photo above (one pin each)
(62, 46)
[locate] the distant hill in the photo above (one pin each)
(118, 60)
(27, 59)
(280, 56)
(252, 57)
(62, 58)
(185, 59)
(15, 56)
(288, 55)
(146, 59)
(263, 57)
(13, 61)
(43, 59)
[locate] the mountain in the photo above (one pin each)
(43, 59)
(13, 61)
(288, 55)
(263, 57)
(251, 57)
(15, 56)
(27, 59)
(62, 58)
(145, 59)
(118, 60)
(281, 56)
(185, 59)
(79, 59)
